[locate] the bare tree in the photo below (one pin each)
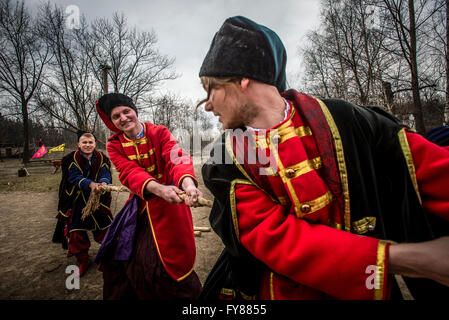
(439, 43)
(167, 111)
(137, 68)
(387, 63)
(71, 87)
(334, 35)
(346, 54)
(320, 71)
(406, 22)
(22, 60)
(181, 117)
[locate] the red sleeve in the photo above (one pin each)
(131, 174)
(179, 162)
(432, 174)
(318, 256)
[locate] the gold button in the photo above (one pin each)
(290, 173)
(306, 208)
(370, 227)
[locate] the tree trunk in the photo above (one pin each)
(388, 95)
(105, 69)
(418, 112)
(26, 134)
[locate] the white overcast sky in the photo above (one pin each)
(185, 28)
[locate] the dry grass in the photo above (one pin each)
(41, 178)
(34, 183)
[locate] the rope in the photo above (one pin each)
(93, 203)
(203, 202)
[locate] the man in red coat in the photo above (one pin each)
(152, 165)
(316, 199)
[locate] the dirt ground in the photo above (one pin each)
(33, 267)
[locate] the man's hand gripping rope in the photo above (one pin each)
(94, 199)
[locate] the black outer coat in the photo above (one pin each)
(379, 186)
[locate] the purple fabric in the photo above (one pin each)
(143, 276)
(122, 227)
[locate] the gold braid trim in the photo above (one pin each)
(380, 272)
(341, 164)
(409, 160)
(235, 219)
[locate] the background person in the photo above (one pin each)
(83, 171)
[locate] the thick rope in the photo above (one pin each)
(202, 202)
(93, 203)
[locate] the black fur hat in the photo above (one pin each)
(243, 48)
(111, 100)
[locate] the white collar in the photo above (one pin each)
(140, 135)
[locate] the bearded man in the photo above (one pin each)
(314, 198)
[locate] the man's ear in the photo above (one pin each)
(244, 83)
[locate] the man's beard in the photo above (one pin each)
(242, 117)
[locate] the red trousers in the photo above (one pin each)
(79, 243)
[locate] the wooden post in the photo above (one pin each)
(105, 68)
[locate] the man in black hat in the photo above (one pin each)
(152, 251)
(313, 196)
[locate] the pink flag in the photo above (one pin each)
(42, 150)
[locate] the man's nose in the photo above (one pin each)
(208, 106)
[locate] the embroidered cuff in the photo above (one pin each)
(381, 290)
(179, 184)
(106, 180)
(144, 194)
(84, 184)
